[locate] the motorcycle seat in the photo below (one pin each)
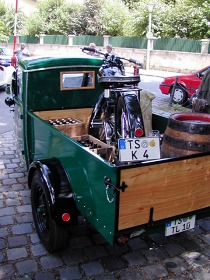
(118, 81)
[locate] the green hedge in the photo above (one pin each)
(87, 39)
(128, 42)
(178, 44)
(56, 39)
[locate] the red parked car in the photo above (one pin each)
(185, 87)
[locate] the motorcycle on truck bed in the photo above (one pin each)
(124, 184)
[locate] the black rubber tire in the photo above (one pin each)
(54, 237)
(128, 116)
(180, 95)
(123, 121)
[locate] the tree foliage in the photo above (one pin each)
(53, 17)
(130, 3)
(7, 14)
(112, 21)
(184, 19)
(170, 18)
(3, 31)
(88, 22)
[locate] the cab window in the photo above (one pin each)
(77, 80)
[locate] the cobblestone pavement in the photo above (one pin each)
(88, 255)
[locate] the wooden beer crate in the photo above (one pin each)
(70, 126)
(98, 147)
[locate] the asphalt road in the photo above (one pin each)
(151, 83)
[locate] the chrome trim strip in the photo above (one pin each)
(25, 116)
(59, 67)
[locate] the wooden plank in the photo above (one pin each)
(171, 188)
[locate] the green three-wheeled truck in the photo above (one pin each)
(72, 172)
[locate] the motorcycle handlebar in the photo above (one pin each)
(135, 62)
(99, 52)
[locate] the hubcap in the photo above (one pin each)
(178, 95)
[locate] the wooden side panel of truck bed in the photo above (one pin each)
(170, 188)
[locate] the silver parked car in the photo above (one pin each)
(5, 56)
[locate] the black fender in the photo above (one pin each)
(61, 198)
(133, 109)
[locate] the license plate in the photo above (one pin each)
(139, 149)
(180, 225)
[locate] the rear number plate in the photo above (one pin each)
(139, 149)
(177, 226)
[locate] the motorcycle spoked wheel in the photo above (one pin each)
(123, 120)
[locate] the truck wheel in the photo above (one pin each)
(53, 236)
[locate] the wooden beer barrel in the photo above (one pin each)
(186, 134)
